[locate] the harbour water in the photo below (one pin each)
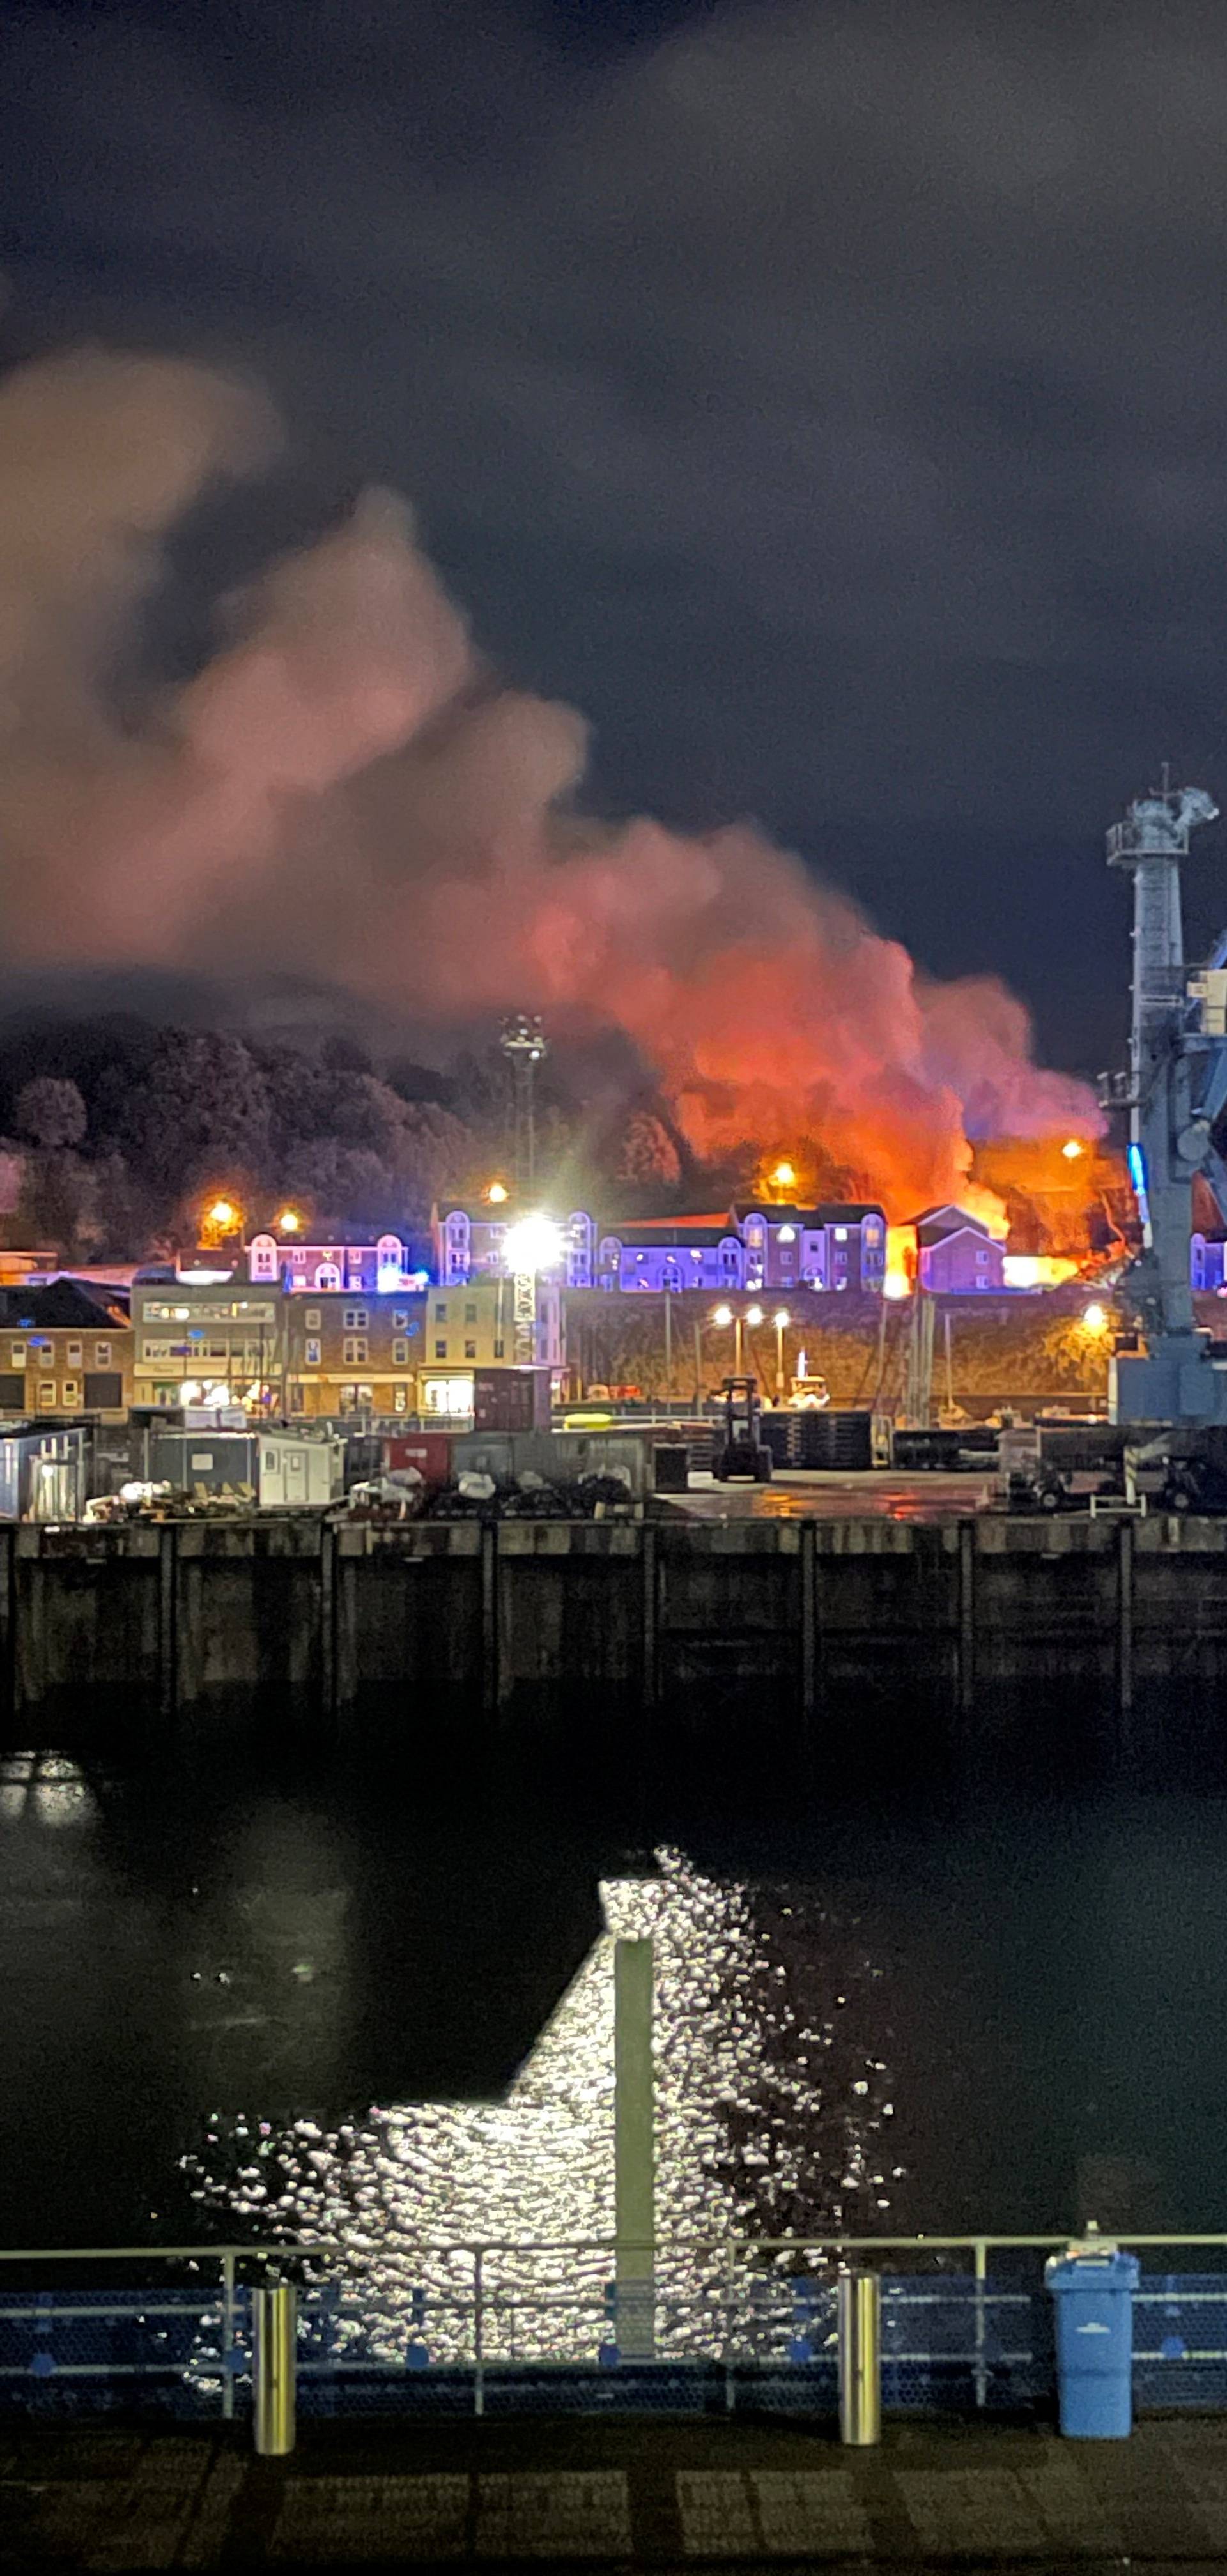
(247, 2002)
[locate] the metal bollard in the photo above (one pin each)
(274, 2322)
(860, 2358)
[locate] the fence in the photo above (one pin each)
(517, 2328)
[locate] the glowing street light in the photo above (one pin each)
(781, 1320)
(784, 1176)
(724, 1316)
(496, 1194)
(220, 1219)
(1072, 1150)
(289, 1222)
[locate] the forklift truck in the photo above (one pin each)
(739, 1450)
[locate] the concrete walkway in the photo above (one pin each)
(659, 2495)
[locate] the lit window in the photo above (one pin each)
(75, 1354)
(400, 1354)
(72, 1391)
(18, 1356)
(312, 1319)
(841, 1234)
(400, 1399)
(440, 1350)
(102, 1354)
(354, 1352)
(313, 1354)
(470, 1350)
(354, 1319)
(46, 1395)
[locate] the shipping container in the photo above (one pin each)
(511, 1399)
(429, 1451)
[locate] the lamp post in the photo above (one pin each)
(725, 1316)
(781, 1320)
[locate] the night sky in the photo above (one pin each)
(828, 400)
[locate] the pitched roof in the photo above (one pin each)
(828, 1212)
(65, 1306)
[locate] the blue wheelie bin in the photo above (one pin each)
(1093, 2288)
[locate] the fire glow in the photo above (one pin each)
(343, 791)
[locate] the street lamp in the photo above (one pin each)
(289, 1222)
(496, 1194)
(781, 1320)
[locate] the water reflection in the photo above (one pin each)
(46, 1788)
(775, 2111)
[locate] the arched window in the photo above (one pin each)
(262, 1257)
(328, 1275)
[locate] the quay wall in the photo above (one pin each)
(870, 1634)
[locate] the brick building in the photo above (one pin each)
(64, 1350)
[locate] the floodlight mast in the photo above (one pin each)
(525, 1045)
(1175, 1091)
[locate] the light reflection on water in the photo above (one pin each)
(774, 2114)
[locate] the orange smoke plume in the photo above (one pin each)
(344, 790)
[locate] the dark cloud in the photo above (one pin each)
(828, 399)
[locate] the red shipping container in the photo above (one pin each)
(429, 1451)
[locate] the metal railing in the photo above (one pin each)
(517, 2324)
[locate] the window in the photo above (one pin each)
(75, 1354)
(328, 1275)
(354, 1354)
(499, 1349)
(354, 1319)
(18, 1355)
(470, 1314)
(313, 1354)
(441, 1311)
(440, 1350)
(400, 1354)
(46, 1395)
(400, 1399)
(400, 1318)
(470, 1350)
(72, 1390)
(102, 1354)
(298, 1399)
(982, 1256)
(841, 1234)
(312, 1319)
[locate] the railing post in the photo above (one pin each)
(479, 2340)
(981, 2360)
(228, 2336)
(860, 2359)
(730, 2286)
(274, 2353)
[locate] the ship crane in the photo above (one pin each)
(1175, 1092)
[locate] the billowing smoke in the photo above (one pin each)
(344, 788)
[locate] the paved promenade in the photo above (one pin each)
(656, 2495)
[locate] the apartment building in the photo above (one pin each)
(352, 1351)
(64, 1350)
(474, 1325)
(211, 1341)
